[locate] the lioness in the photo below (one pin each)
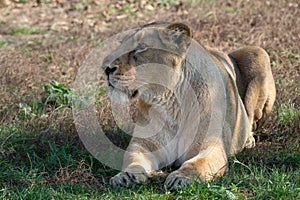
(193, 95)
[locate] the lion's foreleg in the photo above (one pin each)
(138, 161)
(207, 164)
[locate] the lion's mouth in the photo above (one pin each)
(109, 83)
(131, 93)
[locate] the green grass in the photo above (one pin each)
(79, 6)
(288, 113)
(3, 44)
(46, 163)
(25, 30)
(127, 9)
(43, 161)
(37, 166)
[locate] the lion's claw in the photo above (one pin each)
(124, 179)
(177, 181)
(120, 180)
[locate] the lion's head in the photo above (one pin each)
(157, 43)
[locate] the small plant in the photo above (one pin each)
(30, 110)
(26, 50)
(46, 57)
(231, 9)
(80, 5)
(23, 1)
(25, 110)
(25, 30)
(290, 54)
(57, 94)
(3, 44)
(98, 43)
(288, 113)
(280, 80)
(127, 9)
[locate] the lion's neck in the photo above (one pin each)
(166, 104)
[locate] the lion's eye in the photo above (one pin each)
(140, 48)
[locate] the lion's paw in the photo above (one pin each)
(176, 181)
(250, 143)
(124, 179)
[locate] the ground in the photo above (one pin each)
(42, 46)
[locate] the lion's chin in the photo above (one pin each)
(120, 96)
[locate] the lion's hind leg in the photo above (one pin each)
(253, 64)
(255, 100)
(267, 108)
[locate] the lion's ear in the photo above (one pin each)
(181, 28)
(180, 34)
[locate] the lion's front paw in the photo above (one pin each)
(124, 179)
(177, 180)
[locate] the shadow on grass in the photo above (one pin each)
(54, 160)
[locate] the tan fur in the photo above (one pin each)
(255, 82)
(206, 156)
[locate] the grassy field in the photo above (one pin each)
(42, 46)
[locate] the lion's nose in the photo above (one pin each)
(109, 70)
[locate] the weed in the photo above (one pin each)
(273, 63)
(57, 94)
(45, 1)
(127, 9)
(111, 10)
(23, 1)
(287, 112)
(29, 111)
(3, 44)
(25, 111)
(46, 57)
(26, 50)
(98, 43)
(82, 5)
(289, 54)
(231, 9)
(25, 30)
(65, 64)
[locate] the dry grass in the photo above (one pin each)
(68, 31)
